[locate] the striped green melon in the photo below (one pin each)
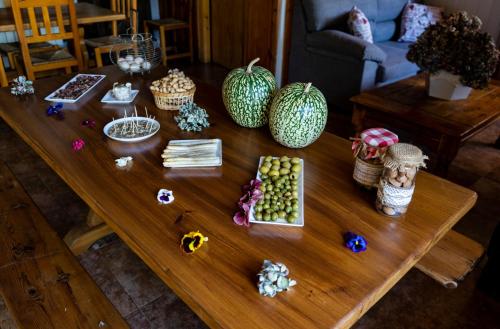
(298, 115)
(247, 94)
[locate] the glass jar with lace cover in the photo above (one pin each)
(397, 183)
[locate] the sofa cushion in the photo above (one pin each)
(384, 31)
(416, 19)
(359, 25)
(390, 9)
(395, 66)
(338, 43)
(325, 14)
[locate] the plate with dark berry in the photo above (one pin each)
(75, 88)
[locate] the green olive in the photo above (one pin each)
(286, 164)
(274, 216)
(268, 158)
(284, 158)
(275, 167)
(258, 216)
(276, 162)
(296, 168)
(267, 164)
(267, 196)
(258, 208)
(290, 219)
(288, 209)
(274, 173)
(262, 188)
(267, 217)
(294, 176)
(295, 160)
(282, 214)
(264, 170)
(260, 202)
(284, 171)
(295, 207)
(295, 194)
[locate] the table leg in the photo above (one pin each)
(163, 46)
(358, 115)
(447, 151)
(82, 236)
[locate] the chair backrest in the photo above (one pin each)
(179, 9)
(129, 9)
(36, 15)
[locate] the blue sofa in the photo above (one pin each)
(341, 65)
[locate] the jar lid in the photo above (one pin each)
(402, 155)
(379, 137)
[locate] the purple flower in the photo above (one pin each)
(55, 109)
(252, 194)
(355, 242)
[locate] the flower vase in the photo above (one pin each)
(447, 86)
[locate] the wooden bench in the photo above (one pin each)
(42, 283)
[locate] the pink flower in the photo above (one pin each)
(78, 144)
(252, 194)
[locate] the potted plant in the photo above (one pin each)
(457, 55)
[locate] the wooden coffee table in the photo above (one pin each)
(335, 286)
(439, 126)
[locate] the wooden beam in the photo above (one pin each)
(449, 261)
(203, 28)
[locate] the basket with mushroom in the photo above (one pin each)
(173, 91)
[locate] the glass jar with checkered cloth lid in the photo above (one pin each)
(397, 183)
(369, 151)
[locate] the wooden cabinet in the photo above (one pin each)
(242, 30)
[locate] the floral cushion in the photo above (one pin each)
(359, 24)
(416, 18)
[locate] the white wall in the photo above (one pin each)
(487, 10)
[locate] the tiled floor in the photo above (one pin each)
(145, 302)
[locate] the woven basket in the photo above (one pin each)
(367, 174)
(173, 101)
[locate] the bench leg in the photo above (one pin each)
(449, 261)
(82, 236)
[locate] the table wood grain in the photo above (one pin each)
(86, 13)
(335, 287)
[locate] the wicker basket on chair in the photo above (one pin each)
(173, 101)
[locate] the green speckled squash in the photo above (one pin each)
(298, 115)
(247, 94)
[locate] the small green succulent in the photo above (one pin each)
(457, 45)
(192, 118)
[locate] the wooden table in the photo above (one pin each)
(438, 125)
(86, 13)
(335, 286)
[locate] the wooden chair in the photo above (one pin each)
(3, 77)
(182, 19)
(38, 15)
(103, 44)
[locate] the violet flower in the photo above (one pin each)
(355, 242)
(252, 194)
(56, 109)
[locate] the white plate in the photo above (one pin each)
(110, 99)
(51, 97)
(218, 152)
(281, 221)
(108, 126)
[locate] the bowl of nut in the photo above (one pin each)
(173, 91)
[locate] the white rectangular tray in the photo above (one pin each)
(110, 99)
(194, 141)
(281, 221)
(51, 97)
